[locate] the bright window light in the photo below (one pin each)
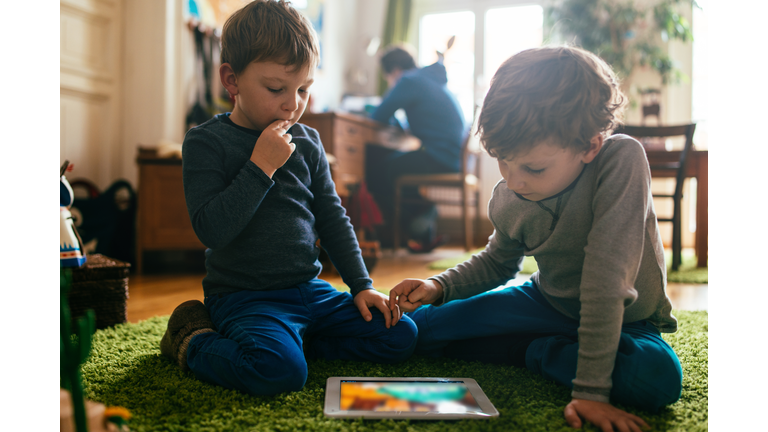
(508, 31)
(699, 80)
(434, 32)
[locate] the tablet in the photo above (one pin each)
(406, 398)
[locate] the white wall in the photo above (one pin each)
(349, 27)
(338, 33)
(362, 69)
(153, 55)
(90, 88)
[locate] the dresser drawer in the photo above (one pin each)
(353, 166)
(352, 152)
(348, 131)
(350, 166)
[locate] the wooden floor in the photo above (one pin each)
(159, 294)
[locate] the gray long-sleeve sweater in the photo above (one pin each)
(599, 252)
(261, 232)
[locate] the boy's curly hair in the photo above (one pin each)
(269, 30)
(564, 94)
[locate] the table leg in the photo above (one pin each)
(702, 207)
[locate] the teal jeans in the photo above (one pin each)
(647, 373)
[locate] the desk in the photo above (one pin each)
(697, 167)
(344, 138)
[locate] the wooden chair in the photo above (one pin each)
(467, 181)
(676, 170)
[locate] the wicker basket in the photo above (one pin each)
(100, 284)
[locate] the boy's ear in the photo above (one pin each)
(228, 78)
(595, 144)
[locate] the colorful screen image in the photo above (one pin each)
(407, 396)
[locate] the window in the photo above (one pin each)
(434, 32)
(699, 80)
(487, 33)
(508, 31)
(502, 31)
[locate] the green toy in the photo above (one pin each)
(75, 348)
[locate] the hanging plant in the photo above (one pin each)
(621, 33)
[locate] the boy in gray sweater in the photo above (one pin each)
(260, 196)
(580, 202)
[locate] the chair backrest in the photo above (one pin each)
(470, 152)
(685, 130)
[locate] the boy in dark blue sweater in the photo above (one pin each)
(260, 196)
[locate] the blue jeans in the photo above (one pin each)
(262, 337)
(647, 372)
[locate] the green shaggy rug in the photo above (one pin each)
(687, 273)
(126, 369)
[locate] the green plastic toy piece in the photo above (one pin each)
(75, 348)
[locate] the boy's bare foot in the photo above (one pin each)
(187, 320)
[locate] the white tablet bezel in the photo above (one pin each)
(333, 398)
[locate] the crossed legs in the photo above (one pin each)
(493, 326)
(263, 338)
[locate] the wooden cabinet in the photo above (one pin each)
(162, 218)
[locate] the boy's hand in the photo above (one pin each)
(412, 293)
(367, 298)
(603, 415)
(273, 148)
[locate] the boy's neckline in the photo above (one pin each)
(226, 120)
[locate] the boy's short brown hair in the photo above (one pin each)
(397, 57)
(564, 94)
(269, 30)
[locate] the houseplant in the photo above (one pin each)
(625, 33)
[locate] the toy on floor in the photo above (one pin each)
(70, 250)
(77, 413)
(74, 350)
(100, 418)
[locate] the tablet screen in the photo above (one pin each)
(407, 396)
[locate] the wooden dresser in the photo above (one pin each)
(162, 221)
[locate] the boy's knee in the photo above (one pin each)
(286, 374)
(665, 366)
(290, 374)
(405, 338)
(653, 380)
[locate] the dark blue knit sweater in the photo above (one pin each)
(261, 233)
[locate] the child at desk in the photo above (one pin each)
(435, 118)
(580, 202)
(260, 195)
